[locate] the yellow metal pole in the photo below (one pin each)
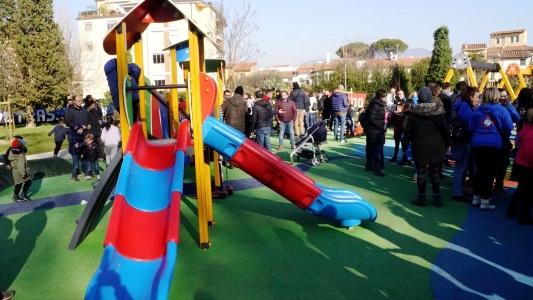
(203, 182)
(471, 76)
(174, 110)
(139, 60)
(483, 81)
(449, 75)
(122, 71)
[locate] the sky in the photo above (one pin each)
(296, 31)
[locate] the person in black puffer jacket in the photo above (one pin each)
(262, 119)
(429, 134)
(375, 133)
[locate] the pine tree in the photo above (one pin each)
(441, 56)
(41, 57)
(418, 74)
(400, 79)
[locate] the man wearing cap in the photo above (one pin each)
(77, 114)
(340, 106)
(21, 172)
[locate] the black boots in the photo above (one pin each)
(420, 200)
(22, 198)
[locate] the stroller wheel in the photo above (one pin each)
(315, 162)
(324, 157)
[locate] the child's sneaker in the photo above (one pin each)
(98, 177)
(476, 201)
(486, 205)
(88, 177)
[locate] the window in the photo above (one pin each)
(159, 58)
(88, 26)
(502, 41)
(159, 82)
(517, 39)
(89, 46)
(110, 25)
(522, 62)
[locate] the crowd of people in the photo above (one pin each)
(432, 127)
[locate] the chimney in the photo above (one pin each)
(328, 58)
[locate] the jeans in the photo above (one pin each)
(263, 137)
(342, 119)
(306, 121)
(92, 166)
(312, 119)
(460, 153)
(282, 126)
(77, 165)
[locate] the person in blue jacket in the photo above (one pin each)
(340, 107)
(505, 159)
(462, 108)
(487, 144)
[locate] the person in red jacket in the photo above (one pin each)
(286, 119)
(523, 166)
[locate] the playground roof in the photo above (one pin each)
(138, 19)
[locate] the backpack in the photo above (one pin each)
(363, 118)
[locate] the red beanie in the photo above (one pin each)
(17, 143)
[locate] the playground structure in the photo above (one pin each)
(461, 62)
(143, 233)
(515, 71)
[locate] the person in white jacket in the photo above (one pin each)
(111, 137)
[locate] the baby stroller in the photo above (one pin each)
(309, 147)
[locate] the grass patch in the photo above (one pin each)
(37, 139)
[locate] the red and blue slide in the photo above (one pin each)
(343, 205)
(141, 242)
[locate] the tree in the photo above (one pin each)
(261, 80)
(400, 79)
(383, 47)
(41, 56)
(354, 50)
(441, 56)
(418, 74)
(238, 28)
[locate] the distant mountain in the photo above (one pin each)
(416, 52)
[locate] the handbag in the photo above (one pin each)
(460, 133)
(507, 145)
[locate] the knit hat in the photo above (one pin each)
(77, 126)
(239, 90)
(17, 143)
(424, 95)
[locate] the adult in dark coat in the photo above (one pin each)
(77, 114)
(326, 108)
(375, 133)
(429, 134)
(234, 109)
(262, 119)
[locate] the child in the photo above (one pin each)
(21, 172)
(60, 133)
(91, 154)
(111, 139)
(75, 147)
(350, 121)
